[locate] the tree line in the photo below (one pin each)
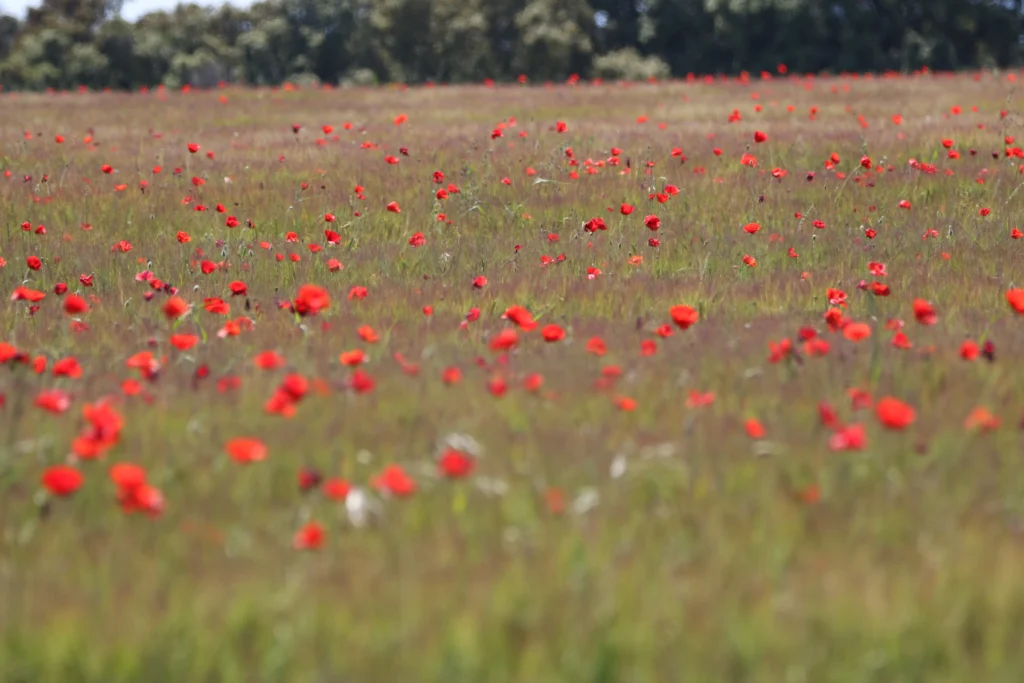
(67, 43)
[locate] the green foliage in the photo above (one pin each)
(459, 40)
(64, 43)
(627, 64)
(554, 36)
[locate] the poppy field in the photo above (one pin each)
(709, 380)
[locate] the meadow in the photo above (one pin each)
(704, 380)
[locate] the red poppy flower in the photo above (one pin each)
(8, 352)
(216, 305)
(552, 333)
(295, 386)
(268, 360)
(336, 489)
(310, 300)
(521, 317)
(754, 428)
(308, 479)
(310, 537)
(352, 358)
(596, 346)
(924, 312)
(133, 492)
(856, 331)
(75, 305)
(851, 438)
(684, 316)
(175, 307)
(22, 293)
(981, 419)
(127, 476)
(67, 367)
(53, 400)
(1015, 297)
(246, 450)
(361, 382)
(62, 480)
(455, 464)
(394, 480)
(894, 414)
(504, 340)
(368, 334)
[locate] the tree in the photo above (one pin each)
(64, 43)
(400, 27)
(9, 28)
(458, 32)
(682, 33)
(555, 38)
(618, 24)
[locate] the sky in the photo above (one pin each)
(133, 9)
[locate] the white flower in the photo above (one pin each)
(464, 443)
(359, 507)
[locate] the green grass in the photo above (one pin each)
(684, 549)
